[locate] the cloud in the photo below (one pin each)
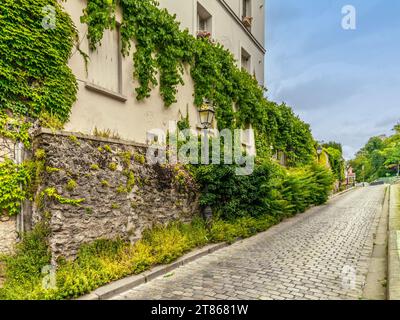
(349, 152)
(345, 84)
(387, 122)
(321, 87)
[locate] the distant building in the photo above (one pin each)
(383, 137)
(350, 176)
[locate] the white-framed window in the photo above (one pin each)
(204, 19)
(105, 64)
(245, 60)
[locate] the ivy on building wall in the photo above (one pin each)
(36, 41)
(36, 79)
(14, 182)
(163, 49)
(161, 46)
(337, 162)
(15, 128)
(34, 75)
(334, 153)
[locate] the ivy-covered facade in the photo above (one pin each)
(121, 68)
(171, 73)
(48, 77)
(167, 73)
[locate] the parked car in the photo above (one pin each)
(362, 184)
(377, 182)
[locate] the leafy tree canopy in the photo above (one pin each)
(379, 158)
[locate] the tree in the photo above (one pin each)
(380, 157)
(334, 145)
(392, 154)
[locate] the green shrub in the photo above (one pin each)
(112, 166)
(24, 268)
(241, 228)
(270, 190)
(167, 243)
(234, 196)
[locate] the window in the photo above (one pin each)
(204, 20)
(202, 24)
(246, 10)
(247, 18)
(104, 70)
(245, 60)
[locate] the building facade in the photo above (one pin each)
(106, 98)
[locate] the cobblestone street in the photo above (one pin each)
(310, 256)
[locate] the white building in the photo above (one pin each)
(106, 97)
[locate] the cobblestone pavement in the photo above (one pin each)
(311, 256)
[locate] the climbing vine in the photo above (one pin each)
(163, 49)
(337, 162)
(34, 75)
(51, 193)
(36, 80)
(15, 129)
(14, 180)
(161, 46)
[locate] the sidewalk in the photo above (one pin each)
(394, 244)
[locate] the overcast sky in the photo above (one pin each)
(345, 83)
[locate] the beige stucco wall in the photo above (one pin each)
(132, 119)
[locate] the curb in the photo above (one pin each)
(394, 244)
(341, 193)
(131, 282)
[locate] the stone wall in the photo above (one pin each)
(8, 234)
(123, 195)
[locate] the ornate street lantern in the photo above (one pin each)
(206, 112)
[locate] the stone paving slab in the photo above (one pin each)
(321, 254)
